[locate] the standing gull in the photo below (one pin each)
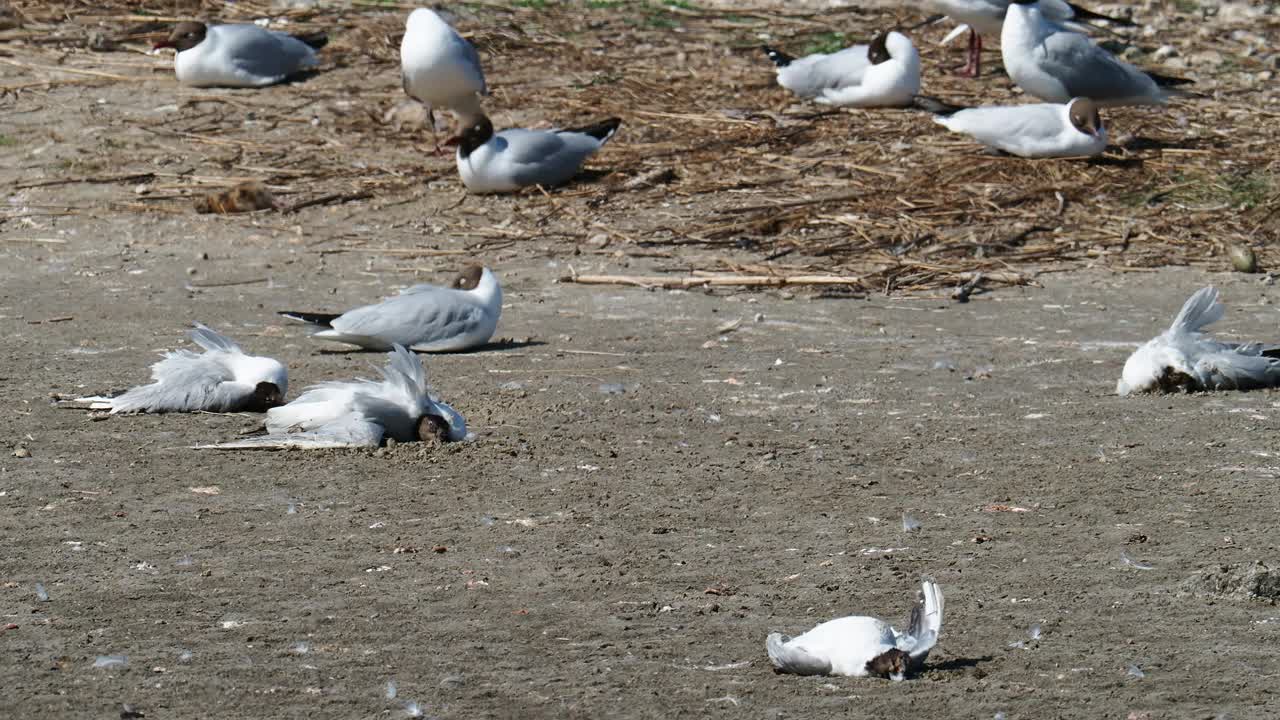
(239, 55)
(860, 646)
(1031, 131)
(1055, 64)
(222, 379)
(427, 318)
(439, 68)
(360, 413)
(1183, 359)
(985, 17)
(507, 161)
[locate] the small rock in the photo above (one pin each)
(1242, 258)
(1245, 581)
(21, 452)
(1165, 52)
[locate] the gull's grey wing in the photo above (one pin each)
(809, 78)
(925, 625)
(266, 55)
(468, 51)
(418, 316)
(185, 382)
(1234, 371)
(1012, 125)
(350, 430)
(548, 158)
(213, 341)
(791, 659)
(1086, 70)
(1200, 310)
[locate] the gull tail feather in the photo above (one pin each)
(935, 106)
(92, 402)
(211, 340)
(1200, 310)
(778, 57)
(790, 659)
(601, 131)
(324, 320)
(926, 623)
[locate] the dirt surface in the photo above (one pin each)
(658, 478)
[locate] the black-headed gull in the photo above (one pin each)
(360, 413)
(222, 379)
(1032, 131)
(1182, 359)
(985, 17)
(507, 161)
(1056, 64)
(439, 68)
(239, 55)
(890, 79)
(859, 646)
(424, 317)
(812, 75)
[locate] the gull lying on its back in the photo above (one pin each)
(1183, 359)
(1055, 64)
(424, 317)
(490, 162)
(860, 646)
(1030, 131)
(239, 55)
(985, 17)
(439, 68)
(360, 413)
(889, 77)
(222, 379)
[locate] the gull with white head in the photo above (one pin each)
(1055, 64)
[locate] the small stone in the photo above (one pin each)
(1242, 258)
(21, 452)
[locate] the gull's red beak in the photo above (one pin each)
(166, 43)
(456, 139)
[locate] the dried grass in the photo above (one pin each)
(717, 169)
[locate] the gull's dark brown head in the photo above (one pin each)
(1085, 117)
(889, 664)
(265, 396)
(878, 51)
(185, 36)
(469, 278)
(473, 136)
(433, 428)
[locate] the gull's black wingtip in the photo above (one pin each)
(934, 105)
(778, 57)
(1082, 13)
(321, 319)
(601, 131)
(1169, 80)
(315, 40)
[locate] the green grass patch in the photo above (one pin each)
(826, 43)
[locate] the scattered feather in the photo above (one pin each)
(1135, 564)
(1135, 672)
(909, 524)
(41, 595)
(110, 661)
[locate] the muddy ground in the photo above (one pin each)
(658, 478)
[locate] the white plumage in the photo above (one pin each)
(860, 646)
(439, 68)
(1045, 130)
(361, 413)
(426, 318)
(236, 55)
(222, 379)
(1183, 359)
(507, 161)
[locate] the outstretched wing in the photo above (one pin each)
(213, 341)
(1200, 310)
(185, 382)
(790, 658)
(925, 626)
(350, 430)
(1234, 371)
